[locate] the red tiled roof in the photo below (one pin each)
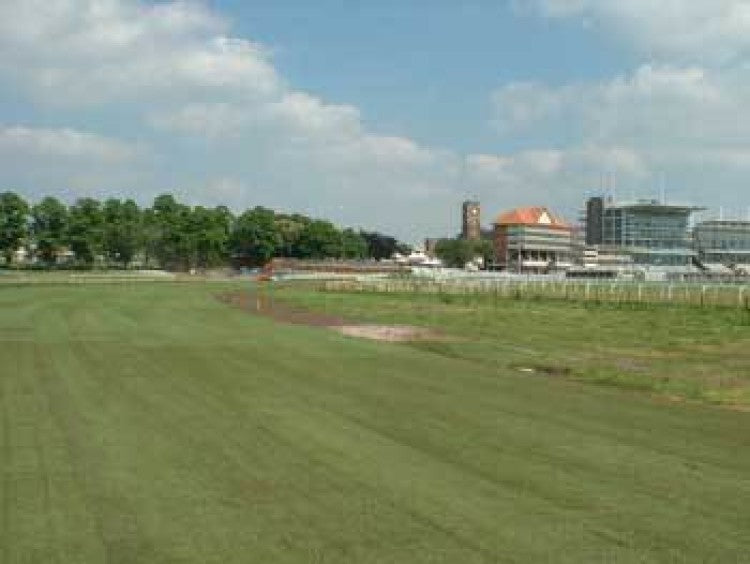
(531, 216)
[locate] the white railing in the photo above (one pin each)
(604, 291)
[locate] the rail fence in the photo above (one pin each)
(87, 279)
(699, 295)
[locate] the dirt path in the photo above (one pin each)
(258, 304)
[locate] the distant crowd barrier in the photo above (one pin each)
(700, 295)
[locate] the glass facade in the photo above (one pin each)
(723, 242)
(649, 232)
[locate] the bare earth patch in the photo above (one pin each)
(389, 333)
(284, 313)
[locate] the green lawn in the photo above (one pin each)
(151, 423)
(678, 352)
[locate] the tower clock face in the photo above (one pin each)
(474, 211)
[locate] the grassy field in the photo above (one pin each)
(675, 351)
(151, 423)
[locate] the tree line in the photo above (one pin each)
(456, 253)
(172, 235)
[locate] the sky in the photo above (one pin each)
(378, 115)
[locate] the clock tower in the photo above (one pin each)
(471, 226)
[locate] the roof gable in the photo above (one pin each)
(531, 216)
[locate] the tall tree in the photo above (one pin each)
(178, 237)
(49, 223)
(255, 236)
(122, 230)
(85, 232)
(212, 231)
(353, 245)
(289, 228)
(174, 241)
(319, 239)
(151, 235)
(14, 213)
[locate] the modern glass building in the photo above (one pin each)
(725, 242)
(649, 232)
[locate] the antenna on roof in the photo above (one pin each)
(663, 187)
(462, 176)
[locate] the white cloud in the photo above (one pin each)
(227, 128)
(655, 109)
(70, 52)
(681, 113)
(227, 124)
(211, 120)
(69, 163)
(296, 114)
(708, 31)
(655, 100)
(555, 177)
(684, 126)
(305, 115)
(66, 144)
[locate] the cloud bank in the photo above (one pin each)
(159, 97)
(222, 124)
(676, 119)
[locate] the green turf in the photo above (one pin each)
(151, 423)
(680, 352)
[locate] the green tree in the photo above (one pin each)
(150, 233)
(353, 245)
(14, 212)
(255, 236)
(455, 253)
(381, 246)
(171, 234)
(122, 231)
(211, 229)
(49, 223)
(458, 252)
(85, 233)
(319, 239)
(289, 228)
(484, 248)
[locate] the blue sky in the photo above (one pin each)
(417, 71)
(377, 114)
